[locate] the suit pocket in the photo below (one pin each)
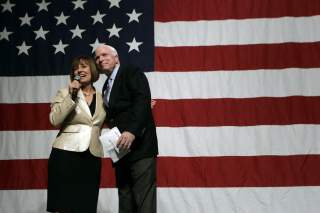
(71, 129)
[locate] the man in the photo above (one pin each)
(128, 104)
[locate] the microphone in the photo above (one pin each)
(74, 92)
(76, 77)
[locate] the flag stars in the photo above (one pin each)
(95, 45)
(43, 5)
(78, 4)
(23, 48)
(134, 45)
(133, 16)
(60, 47)
(114, 31)
(76, 32)
(114, 3)
(62, 19)
(7, 6)
(5, 34)
(41, 33)
(26, 20)
(98, 17)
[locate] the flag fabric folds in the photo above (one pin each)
(236, 85)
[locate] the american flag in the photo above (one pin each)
(237, 90)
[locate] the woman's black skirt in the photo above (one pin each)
(73, 181)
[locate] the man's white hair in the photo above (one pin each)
(113, 50)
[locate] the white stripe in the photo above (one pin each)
(35, 89)
(237, 32)
(188, 141)
(239, 200)
(188, 200)
(235, 84)
(35, 201)
(31, 89)
(239, 141)
(182, 85)
(26, 144)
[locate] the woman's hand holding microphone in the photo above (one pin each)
(74, 87)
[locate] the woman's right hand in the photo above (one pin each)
(74, 87)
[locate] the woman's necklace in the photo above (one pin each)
(87, 93)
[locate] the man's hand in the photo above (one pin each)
(153, 103)
(125, 140)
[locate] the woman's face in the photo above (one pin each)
(83, 70)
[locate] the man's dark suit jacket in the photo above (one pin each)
(130, 110)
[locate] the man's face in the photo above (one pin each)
(106, 59)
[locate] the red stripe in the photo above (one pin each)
(190, 112)
(190, 10)
(238, 112)
(32, 174)
(254, 171)
(238, 57)
(25, 117)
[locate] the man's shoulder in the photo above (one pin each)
(130, 69)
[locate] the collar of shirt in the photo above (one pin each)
(114, 73)
(112, 77)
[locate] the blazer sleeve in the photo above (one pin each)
(141, 102)
(61, 107)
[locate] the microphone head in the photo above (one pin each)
(76, 77)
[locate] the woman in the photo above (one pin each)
(74, 164)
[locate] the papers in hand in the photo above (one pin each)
(109, 140)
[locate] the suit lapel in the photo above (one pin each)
(115, 86)
(99, 103)
(83, 104)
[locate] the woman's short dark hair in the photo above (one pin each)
(87, 60)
